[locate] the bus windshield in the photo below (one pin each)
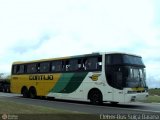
(136, 77)
(124, 59)
(125, 71)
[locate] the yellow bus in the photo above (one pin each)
(98, 77)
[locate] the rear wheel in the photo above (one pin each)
(32, 93)
(95, 97)
(24, 92)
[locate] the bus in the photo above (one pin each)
(97, 77)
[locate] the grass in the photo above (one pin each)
(154, 96)
(29, 112)
(33, 112)
(151, 99)
(19, 108)
(154, 91)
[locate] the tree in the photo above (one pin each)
(4, 77)
(1, 75)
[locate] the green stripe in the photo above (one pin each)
(75, 82)
(62, 82)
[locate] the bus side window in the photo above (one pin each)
(108, 59)
(20, 69)
(56, 66)
(91, 63)
(14, 70)
(99, 64)
(44, 67)
(80, 65)
(73, 65)
(66, 65)
(31, 68)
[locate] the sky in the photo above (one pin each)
(37, 29)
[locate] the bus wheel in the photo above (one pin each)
(95, 97)
(114, 103)
(32, 93)
(24, 92)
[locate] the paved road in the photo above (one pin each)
(85, 107)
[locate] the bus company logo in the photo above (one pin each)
(4, 116)
(94, 77)
(41, 77)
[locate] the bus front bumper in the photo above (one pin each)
(141, 96)
(136, 97)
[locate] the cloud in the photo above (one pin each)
(153, 81)
(50, 28)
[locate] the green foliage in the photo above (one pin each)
(5, 78)
(154, 91)
(1, 75)
(154, 96)
(151, 99)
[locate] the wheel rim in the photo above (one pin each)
(24, 93)
(32, 94)
(96, 98)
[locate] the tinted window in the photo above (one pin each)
(116, 76)
(119, 59)
(114, 59)
(128, 59)
(21, 69)
(56, 66)
(31, 68)
(91, 64)
(44, 67)
(14, 69)
(18, 69)
(73, 65)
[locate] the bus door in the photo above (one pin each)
(117, 91)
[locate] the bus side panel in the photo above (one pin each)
(42, 86)
(69, 82)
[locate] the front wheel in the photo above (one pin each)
(96, 97)
(114, 103)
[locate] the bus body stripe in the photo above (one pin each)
(62, 82)
(68, 82)
(75, 82)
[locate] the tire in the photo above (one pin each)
(32, 93)
(96, 97)
(25, 92)
(114, 103)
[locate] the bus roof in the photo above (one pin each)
(58, 58)
(123, 53)
(76, 56)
